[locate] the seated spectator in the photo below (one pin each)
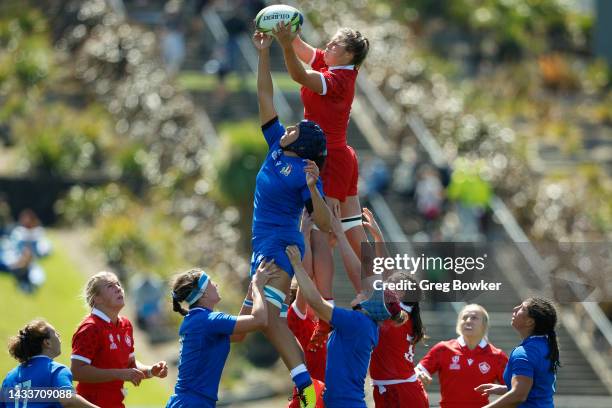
(20, 249)
(147, 292)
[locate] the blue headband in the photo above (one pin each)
(199, 291)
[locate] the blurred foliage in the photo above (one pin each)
(505, 29)
(84, 94)
(243, 150)
(58, 140)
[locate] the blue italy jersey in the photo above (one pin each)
(349, 349)
(529, 359)
(38, 372)
(280, 195)
(204, 347)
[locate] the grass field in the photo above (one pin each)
(58, 302)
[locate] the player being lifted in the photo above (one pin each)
(287, 182)
(327, 92)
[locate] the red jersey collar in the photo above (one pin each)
(483, 343)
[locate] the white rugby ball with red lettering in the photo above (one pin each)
(267, 18)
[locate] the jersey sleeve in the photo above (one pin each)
(431, 361)
(221, 323)
(334, 83)
(318, 62)
(273, 131)
(520, 364)
(62, 378)
(86, 343)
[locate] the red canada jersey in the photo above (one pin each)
(302, 328)
(393, 357)
(331, 109)
(103, 344)
(461, 370)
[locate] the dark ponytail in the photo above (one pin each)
(29, 342)
(417, 323)
(182, 285)
(544, 315)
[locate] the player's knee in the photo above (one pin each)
(275, 297)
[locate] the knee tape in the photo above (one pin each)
(274, 296)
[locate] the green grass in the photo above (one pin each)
(58, 302)
(195, 81)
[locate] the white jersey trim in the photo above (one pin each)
(324, 92)
(299, 314)
(483, 343)
(419, 367)
(381, 383)
(80, 358)
(349, 67)
(100, 314)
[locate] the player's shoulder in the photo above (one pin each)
(89, 323)
(446, 346)
(11, 377)
(57, 367)
(125, 322)
(496, 351)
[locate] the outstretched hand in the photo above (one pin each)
(261, 40)
(283, 33)
(371, 225)
(312, 173)
(265, 271)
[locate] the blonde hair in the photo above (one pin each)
(483, 312)
(93, 285)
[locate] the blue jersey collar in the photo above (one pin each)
(532, 338)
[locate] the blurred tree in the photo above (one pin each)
(242, 152)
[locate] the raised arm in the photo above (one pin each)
(265, 89)
(320, 211)
(371, 225)
(308, 78)
(304, 51)
(321, 307)
(351, 262)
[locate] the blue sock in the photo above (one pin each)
(301, 377)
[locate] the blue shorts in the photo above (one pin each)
(273, 246)
(189, 401)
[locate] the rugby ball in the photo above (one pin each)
(267, 18)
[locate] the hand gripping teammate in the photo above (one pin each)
(352, 340)
(287, 182)
(205, 335)
(328, 90)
